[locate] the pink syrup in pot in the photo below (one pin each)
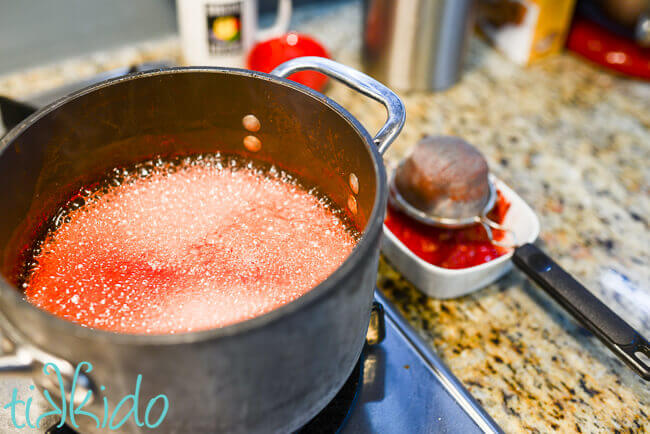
(190, 245)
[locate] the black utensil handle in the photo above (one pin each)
(592, 313)
(13, 112)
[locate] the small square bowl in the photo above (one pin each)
(443, 283)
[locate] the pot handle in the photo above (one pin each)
(18, 358)
(359, 82)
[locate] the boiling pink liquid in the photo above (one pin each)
(201, 247)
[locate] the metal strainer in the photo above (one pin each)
(442, 210)
(463, 195)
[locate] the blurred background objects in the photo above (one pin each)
(37, 32)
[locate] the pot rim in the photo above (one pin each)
(11, 294)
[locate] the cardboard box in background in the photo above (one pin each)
(526, 30)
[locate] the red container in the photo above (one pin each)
(268, 54)
(612, 51)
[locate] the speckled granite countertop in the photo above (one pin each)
(574, 142)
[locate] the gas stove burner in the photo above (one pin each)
(332, 418)
(55, 429)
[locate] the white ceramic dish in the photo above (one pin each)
(445, 283)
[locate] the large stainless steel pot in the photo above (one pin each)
(268, 374)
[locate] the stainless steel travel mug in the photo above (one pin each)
(416, 44)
